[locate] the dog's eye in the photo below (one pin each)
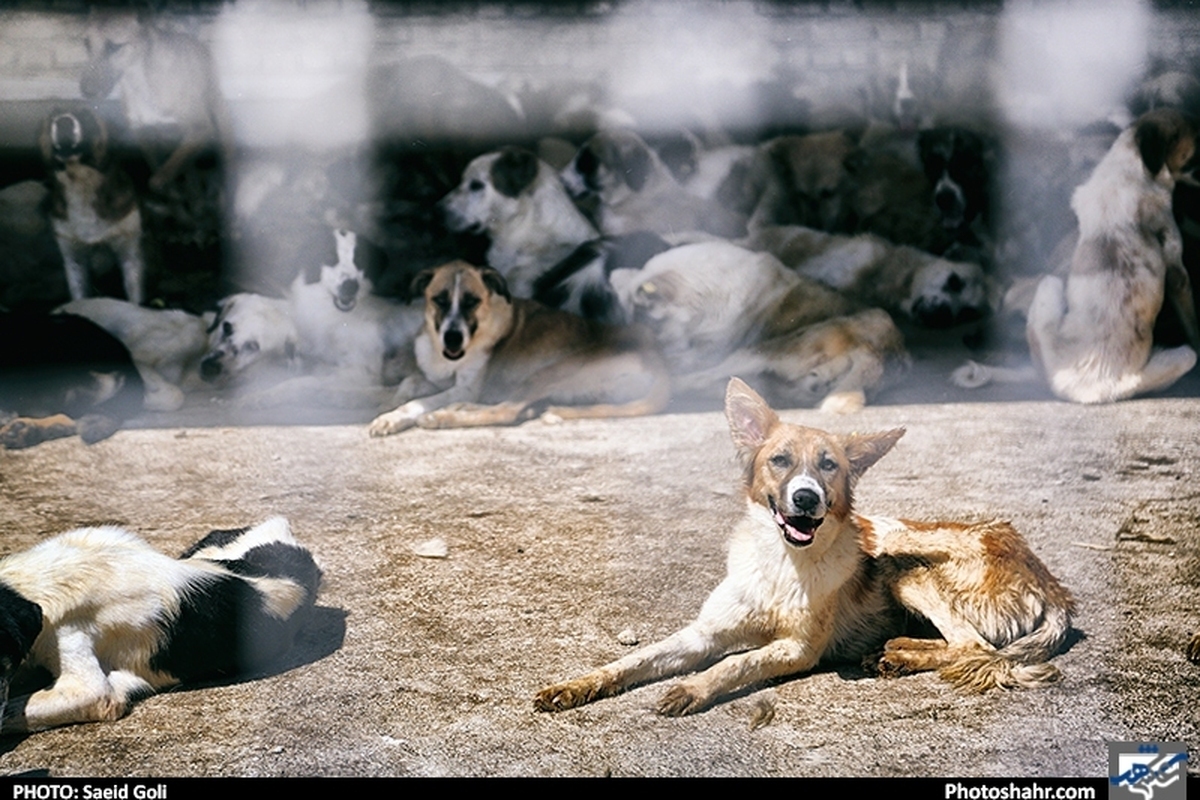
(781, 461)
(468, 303)
(250, 347)
(227, 330)
(476, 185)
(442, 301)
(827, 464)
(954, 284)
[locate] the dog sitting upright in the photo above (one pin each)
(92, 201)
(113, 619)
(1092, 336)
(810, 581)
(518, 359)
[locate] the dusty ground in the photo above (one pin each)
(560, 537)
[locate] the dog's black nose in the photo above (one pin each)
(453, 340)
(806, 501)
(210, 367)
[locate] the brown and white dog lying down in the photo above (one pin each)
(811, 582)
(488, 358)
(1091, 336)
(634, 191)
(92, 201)
(931, 291)
(717, 309)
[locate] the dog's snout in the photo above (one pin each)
(452, 339)
(806, 501)
(210, 367)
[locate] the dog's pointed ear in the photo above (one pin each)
(495, 282)
(864, 449)
(750, 418)
(514, 171)
(421, 283)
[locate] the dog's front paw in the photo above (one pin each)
(390, 423)
(25, 432)
(1193, 651)
(680, 700)
(571, 694)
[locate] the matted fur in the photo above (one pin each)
(809, 582)
(488, 358)
(112, 619)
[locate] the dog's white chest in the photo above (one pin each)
(81, 185)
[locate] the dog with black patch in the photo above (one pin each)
(112, 619)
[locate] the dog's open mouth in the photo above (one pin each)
(798, 530)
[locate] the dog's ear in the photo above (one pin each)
(750, 418)
(421, 282)
(634, 164)
(864, 449)
(495, 282)
(1157, 135)
(514, 171)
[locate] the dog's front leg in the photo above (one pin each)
(74, 265)
(681, 652)
(129, 253)
(466, 389)
(776, 659)
(1179, 291)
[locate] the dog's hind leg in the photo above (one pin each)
(1163, 369)
(81, 693)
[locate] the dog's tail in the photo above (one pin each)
(973, 375)
(1021, 664)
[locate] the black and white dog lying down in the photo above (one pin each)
(60, 375)
(112, 619)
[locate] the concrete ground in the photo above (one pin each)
(558, 538)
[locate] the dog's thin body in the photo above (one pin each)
(809, 581)
(492, 359)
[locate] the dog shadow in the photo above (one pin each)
(323, 634)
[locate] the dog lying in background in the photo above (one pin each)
(113, 620)
(1091, 335)
(63, 375)
(931, 291)
(166, 345)
(488, 358)
(634, 191)
(92, 202)
(520, 203)
(717, 309)
(164, 80)
(249, 329)
(810, 582)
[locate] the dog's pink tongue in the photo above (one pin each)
(791, 531)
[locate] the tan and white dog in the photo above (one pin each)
(1091, 335)
(92, 202)
(491, 359)
(717, 310)
(810, 581)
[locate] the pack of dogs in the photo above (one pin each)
(628, 273)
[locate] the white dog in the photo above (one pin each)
(113, 619)
(1091, 336)
(518, 201)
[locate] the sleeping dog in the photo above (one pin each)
(488, 358)
(62, 375)
(113, 620)
(92, 202)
